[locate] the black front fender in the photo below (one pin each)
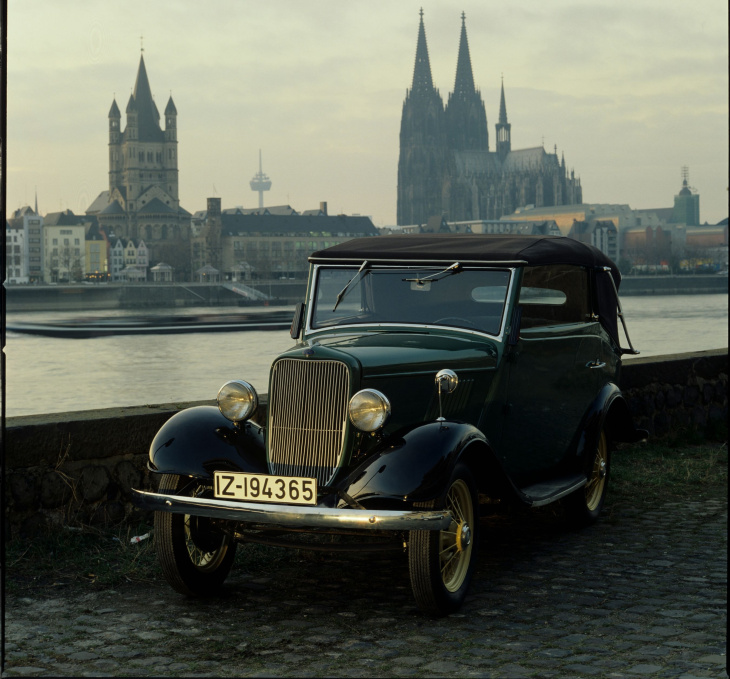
(411, 466)
(198, 441)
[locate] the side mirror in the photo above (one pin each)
(296, 324)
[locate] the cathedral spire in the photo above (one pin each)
(466, 116)
(504, 133)
(464, 84)
(502, 107)
(422, 81)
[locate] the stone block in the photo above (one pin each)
(708, 392)
(55, 489)
(721, 391)
(648, 403)
(94, 481)
(699, 416)
(691, 395)
(681, 418)
(660, 399)
(673, 397)
(23, 490)
(127, 476)
(717, 413)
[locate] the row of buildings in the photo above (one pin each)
(238, 244)
(222, 245)
(668, 239)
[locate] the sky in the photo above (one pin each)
(630, 92)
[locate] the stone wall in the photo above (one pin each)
(79, 467)
(678, 392)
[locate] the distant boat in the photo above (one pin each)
(156, 325)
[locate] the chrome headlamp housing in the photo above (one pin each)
(237, 400)
(369, 410)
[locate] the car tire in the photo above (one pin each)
(441, 562)
(584, 506)
(195, 559)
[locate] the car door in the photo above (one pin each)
(550, 384)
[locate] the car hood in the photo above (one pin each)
(388, 354)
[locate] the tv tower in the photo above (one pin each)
(260, 183)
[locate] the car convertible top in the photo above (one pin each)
(492, 249)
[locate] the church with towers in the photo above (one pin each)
(142, 202)
(446, 167)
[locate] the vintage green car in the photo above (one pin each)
(432, 375)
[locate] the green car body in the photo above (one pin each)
(430, 374)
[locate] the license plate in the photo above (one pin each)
(294, 490)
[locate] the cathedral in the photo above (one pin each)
(142, 201)
(445, 166)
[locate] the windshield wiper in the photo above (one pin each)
(448, 271)
(344, 290)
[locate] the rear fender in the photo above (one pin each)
(198, 441)
(412, 466)
(608, 411)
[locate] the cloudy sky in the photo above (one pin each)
(629, 91)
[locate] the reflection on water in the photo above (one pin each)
(56, 375)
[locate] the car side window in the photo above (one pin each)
(552, 295)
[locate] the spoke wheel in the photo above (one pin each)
(441, 563)
(195, 559)
(584, 506)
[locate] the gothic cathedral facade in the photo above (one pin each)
(445, 165)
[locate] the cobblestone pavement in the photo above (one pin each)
(640, 594)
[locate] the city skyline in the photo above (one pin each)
(319, 88)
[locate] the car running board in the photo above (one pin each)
(546, 492)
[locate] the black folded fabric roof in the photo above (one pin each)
(521, 250)
(486, 248)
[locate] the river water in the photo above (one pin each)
(46, 374)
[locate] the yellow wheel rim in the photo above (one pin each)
(455, 543)
(202, 560)
(597, 479)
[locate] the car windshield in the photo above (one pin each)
(446, 295)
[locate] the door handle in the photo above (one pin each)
(596, 364)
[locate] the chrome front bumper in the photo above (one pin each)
(295, 516)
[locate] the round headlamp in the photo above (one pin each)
(237, 400)
(369, 409)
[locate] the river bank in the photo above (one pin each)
(81, 296)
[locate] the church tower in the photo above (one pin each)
(423, 144)
(148, 154)
(142, 202)
(466, 117)
(504, 143)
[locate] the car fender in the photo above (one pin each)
(412, 465)
(198, 441)
(609, 410)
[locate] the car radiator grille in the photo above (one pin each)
(307, 417)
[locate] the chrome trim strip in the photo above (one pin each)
(364, 327)
(308, 331)
(295, 516)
